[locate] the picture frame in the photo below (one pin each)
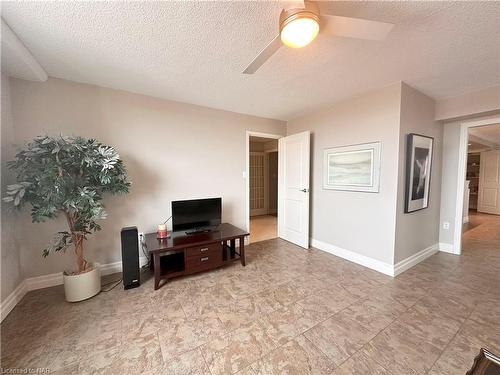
(352, 168)
(419, 155)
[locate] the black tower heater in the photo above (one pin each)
(130, 258)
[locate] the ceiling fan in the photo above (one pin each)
(300, 24)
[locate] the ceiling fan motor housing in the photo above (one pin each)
(310, 10)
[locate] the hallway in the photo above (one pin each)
(263, 227)
(481, 233)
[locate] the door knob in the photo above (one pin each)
(304, 190)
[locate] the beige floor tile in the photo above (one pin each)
(236, 316)
(188, 363)
(332, 299)
(294, 320)
(361, 364)
(374, 313)
(298, 356)
(135, 358)
(401, 353)
(458, 357)
(434, 328)
(286, 294)
(339, 337)
(239, 349)
(184, 334)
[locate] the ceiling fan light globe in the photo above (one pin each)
(299, 32)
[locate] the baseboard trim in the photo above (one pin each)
(413, 260)
(50, 280)
(13, 299)
(351, 256)
(446, 247)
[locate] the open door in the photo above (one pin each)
(489, 183)
(293, 196)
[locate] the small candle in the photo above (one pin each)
(162, 231)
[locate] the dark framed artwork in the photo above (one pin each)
(419, 150)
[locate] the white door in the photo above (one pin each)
(293, 182)
(489, 182)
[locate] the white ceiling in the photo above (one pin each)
(195, 52)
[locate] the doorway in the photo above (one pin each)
(293, 195)
(481, 199)
(263, 187)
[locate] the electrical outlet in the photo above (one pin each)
(446, 225)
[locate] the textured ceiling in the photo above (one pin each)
(195, 51)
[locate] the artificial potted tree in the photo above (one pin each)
(68, 176)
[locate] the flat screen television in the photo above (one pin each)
(196, 215)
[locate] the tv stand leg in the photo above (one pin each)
(232, 246)
(242, 251)
(157, 269)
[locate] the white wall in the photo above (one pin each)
(363, 223)
(11, 273)
(449, 180)
(171, 150)
(418, 230)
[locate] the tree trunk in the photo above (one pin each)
(80, 260)
(77, 241)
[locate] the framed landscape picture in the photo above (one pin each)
(354, 168)
(418, 172)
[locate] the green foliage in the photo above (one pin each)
(66, 175)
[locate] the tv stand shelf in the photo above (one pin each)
(184, 254)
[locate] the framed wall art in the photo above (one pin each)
(353, 168)
(418, 171)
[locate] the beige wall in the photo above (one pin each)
(418, 230)
(11, 273)
(171, 150)
(482, 102)
(363, 223)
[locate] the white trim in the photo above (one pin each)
(462, 163)
(44, 281)
(13, 299)
(248, 134)
(352, 256)
(47, 281)
(446, 247)
(413, 260)
(374, 264)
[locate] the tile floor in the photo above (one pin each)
(288, 311)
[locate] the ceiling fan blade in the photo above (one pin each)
(264, 55)
(354, 27)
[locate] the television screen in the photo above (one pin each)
(196, 213)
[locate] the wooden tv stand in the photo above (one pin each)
(183, 254)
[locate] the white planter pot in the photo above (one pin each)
(83, 286)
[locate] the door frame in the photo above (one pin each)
(462, 169)
(248, 134)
